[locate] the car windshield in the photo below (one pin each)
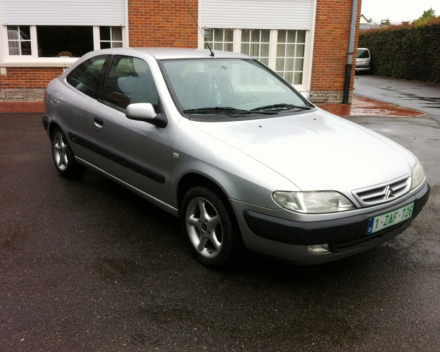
(230, 87)
(363, 54)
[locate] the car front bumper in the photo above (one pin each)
(288, 240)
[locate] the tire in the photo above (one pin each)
(210, 229)
(63, 157)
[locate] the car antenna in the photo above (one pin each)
(204, 38)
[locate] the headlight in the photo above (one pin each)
(313, 202)
(418, 175)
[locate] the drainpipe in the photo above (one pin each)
(349, 62)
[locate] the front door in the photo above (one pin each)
(135, 152)
(74, 102)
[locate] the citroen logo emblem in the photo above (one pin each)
(388, 192)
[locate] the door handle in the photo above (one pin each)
(98, 122)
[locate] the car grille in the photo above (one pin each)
(384, 193)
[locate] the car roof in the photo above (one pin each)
(158, 54)
(171, 53)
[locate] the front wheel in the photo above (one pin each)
(63, 157)
(210, 228)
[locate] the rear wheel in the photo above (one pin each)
(63, 157)
(210, 228)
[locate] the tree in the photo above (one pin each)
(427, 15)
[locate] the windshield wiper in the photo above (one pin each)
(278, 107)
(216, 109)
(226, 109)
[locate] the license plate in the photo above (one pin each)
(391, 218)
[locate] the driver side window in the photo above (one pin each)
(130, 81)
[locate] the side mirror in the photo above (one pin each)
(141, 112)
(306, 95)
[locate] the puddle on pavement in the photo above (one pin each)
(428, 102)
(389, 89)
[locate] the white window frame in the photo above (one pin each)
(111, 41)
(259, 43)
(273, 41)
(33, 60)
(294, 58)
(19, 40)
(212, 42)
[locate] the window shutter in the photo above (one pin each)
(261, 14)
(63, 12)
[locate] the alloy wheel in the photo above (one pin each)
(60, 151)
(204, 227)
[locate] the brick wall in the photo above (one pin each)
(26, 84)
(164, 23)
(330, 49)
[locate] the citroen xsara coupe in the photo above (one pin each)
(232, 149)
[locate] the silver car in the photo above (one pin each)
(363, 60)
(232, 149)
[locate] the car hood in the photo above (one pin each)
(316, 150)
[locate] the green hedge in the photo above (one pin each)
(411, 52)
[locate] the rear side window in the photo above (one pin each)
(87, 76)
(130, 81)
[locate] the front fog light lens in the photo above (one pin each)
(318, 249)
(418, 175)
(313, 202)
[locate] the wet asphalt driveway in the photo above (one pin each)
(87, 266)
(421, 96)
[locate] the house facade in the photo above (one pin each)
(304, 41)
